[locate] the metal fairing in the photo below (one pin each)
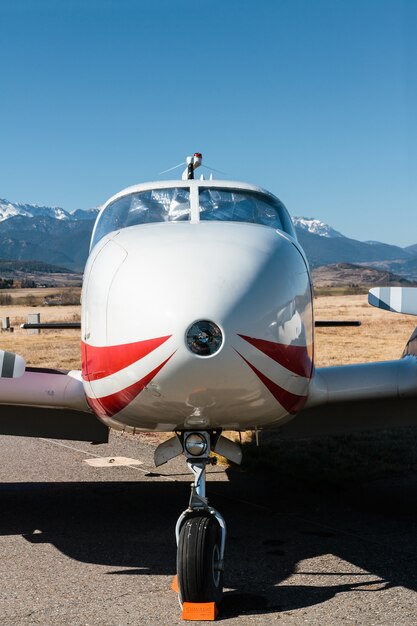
(146, 285)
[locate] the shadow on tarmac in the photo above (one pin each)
(129, 527)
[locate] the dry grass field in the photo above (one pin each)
(37, 294)
(382, 335)
(60, 349)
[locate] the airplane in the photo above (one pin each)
(197, 318)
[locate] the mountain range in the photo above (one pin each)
(55, 236)
(48, 234)
(10, 209)
(324, 246)
(315, 227)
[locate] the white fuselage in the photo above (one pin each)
(146, 284)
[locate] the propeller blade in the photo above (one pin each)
(11, 365)
(395, 299)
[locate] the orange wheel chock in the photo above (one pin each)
(203, 611)
(174, 584)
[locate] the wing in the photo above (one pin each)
(350, 398)
(37, 402)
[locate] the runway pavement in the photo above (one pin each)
(94, 546)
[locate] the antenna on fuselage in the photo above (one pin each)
(192, 163)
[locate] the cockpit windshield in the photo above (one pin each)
(144, 207)
(171, 204)
(238, 205)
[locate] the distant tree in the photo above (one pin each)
(6, 283)
(28, 283)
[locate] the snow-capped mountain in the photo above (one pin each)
(12, 209)
(48, 234)
(315, 226)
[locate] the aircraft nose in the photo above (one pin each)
(201, 283)
(197, 325)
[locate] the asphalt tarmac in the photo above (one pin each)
(94, 546)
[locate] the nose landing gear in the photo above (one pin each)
(200, 530)
(201, 540)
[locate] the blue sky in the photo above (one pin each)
(316, 100)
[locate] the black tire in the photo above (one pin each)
(198, 560)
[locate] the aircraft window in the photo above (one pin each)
(144, 207)
(244, 206)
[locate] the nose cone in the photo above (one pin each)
(176, 274)
(205, 289)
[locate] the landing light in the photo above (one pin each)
(195, 444)
(204, 338)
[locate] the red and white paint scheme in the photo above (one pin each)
(197, 317)
(145, 285)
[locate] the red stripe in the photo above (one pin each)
(293, 358)
(101, 361)
(116, 402)
(291, 402)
